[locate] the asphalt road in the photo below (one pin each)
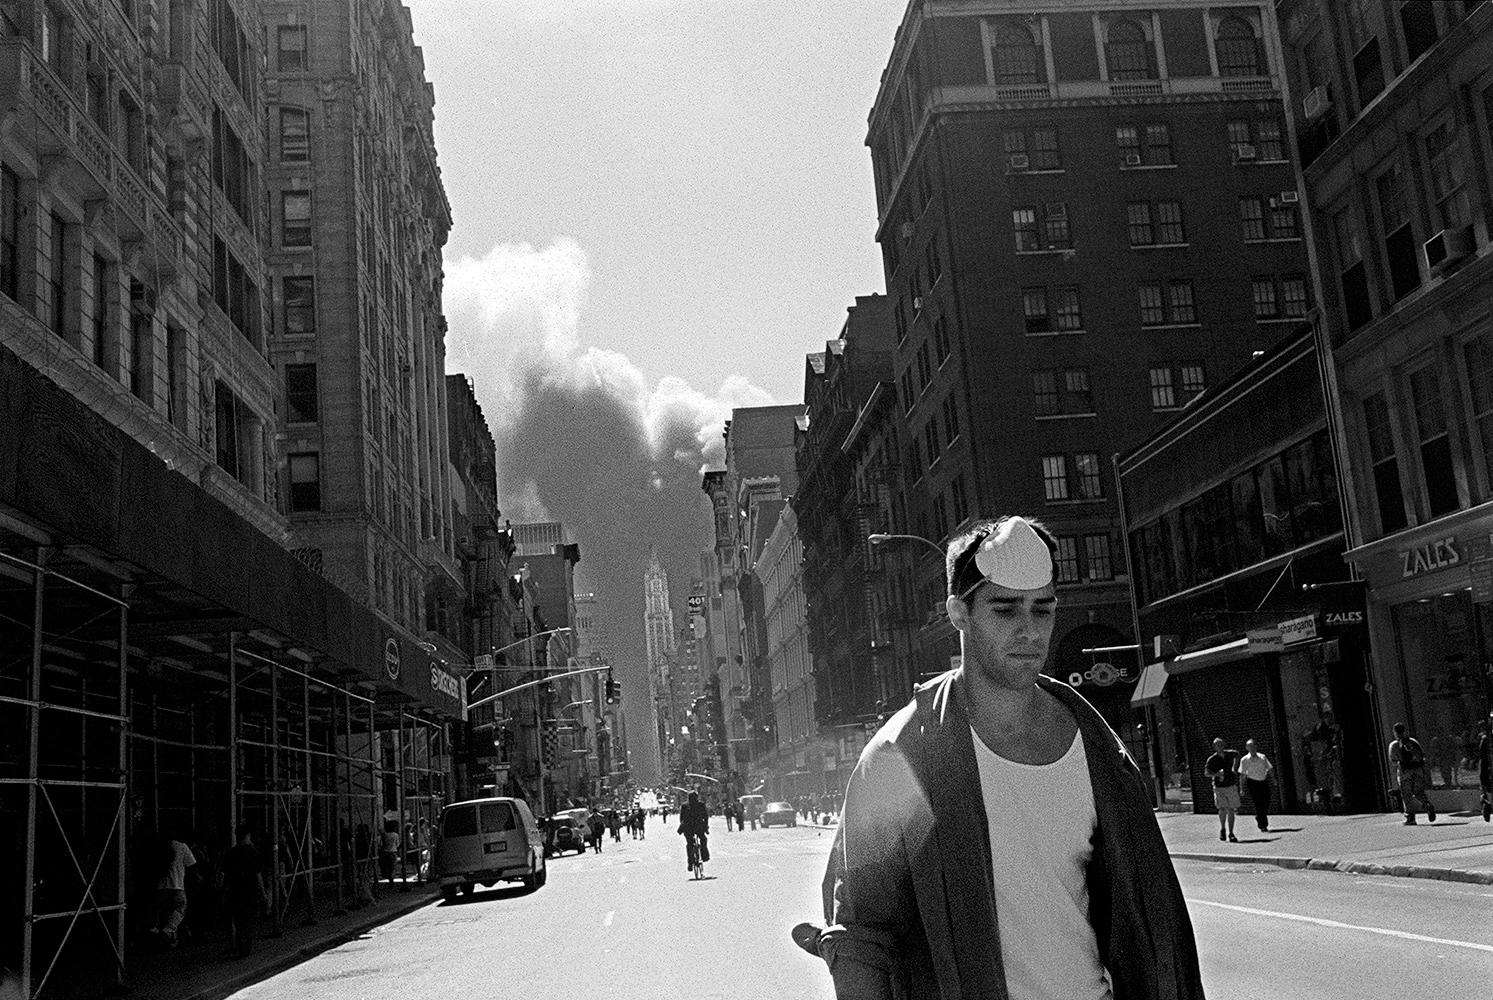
(631, 923)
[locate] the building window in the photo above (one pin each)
(1419, 21)
(1194, 381)
(1399, 236)
(1138, 217)
(1385, 463)
(1293, 297)
(1479, 356)
(233, 170)
(959, 499)
(234, 293)
(931, 440)
(1065, 562)
(305, 482)
(932, 262)
(295, 135)
(941, 339)
(1435, 442)
(1032, 149)
(142, 357)
(103, 284)
(1017, 54)
(1158, 149)
(1368, 72)
(1283, 221)
(1097, 558)
(1147, 146)
(1268, 139)
(295, 218)
(1238, 49)
(1353, 276)
(1163, 393)
(1086, 465)
(56, 274)
(1152, 305)
(925, 367)
(300, 394)
(1169, 222)
(1069, 315)
(940, 517)
(290, 50)
(299, 305)
(1024, 223)
(1240, 142)
(231, 43)
(1266, 305)
(1127, 53)
(1034, 308)
(1055, 216)
(1078, 396)
(900, 315)
(10, 231)
(1045, 392)
(1055, 476)
(1252, 218)
(1448, 177)
(951, 417)
(1184, 309)
(909, 397)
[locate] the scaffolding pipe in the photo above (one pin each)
(34, 793)
(233, 806)
(276, 929)
(125, 590)
(306, 848)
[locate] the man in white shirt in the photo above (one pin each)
(1255, 768)
(171, 890)
(996, 839)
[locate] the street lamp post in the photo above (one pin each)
(878, 539)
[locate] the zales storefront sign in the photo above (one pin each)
(1430, 557)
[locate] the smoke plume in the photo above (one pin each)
(584, 439)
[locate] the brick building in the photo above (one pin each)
(1392, 104)
(1087, 214)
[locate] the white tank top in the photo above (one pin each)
(1042, 821)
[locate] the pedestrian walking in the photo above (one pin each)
(1255, 768)
(598, 826)
(1223, 767)
(1408, 761)
(996, 839)
(244, 891)
(726, 812)
(171, 890)
(388, 850)
(1485, 767)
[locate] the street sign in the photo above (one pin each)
(1298, 629)
(696, 604)
(1482, 581)
(482, 662)
(1265, 640)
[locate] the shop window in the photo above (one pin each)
(1435, 442)
(1479, 356)
(1442, 646)
(1385, 463)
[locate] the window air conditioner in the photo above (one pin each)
(1246, 152)
(1057, 210)
(1132, 159)
(1449, 247)
(1290, 197)
(1020, 161)
(1316, 103)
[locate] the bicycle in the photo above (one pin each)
(693, 842)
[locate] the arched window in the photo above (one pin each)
(1018, 56)
(1128, 52)
(1238, 52)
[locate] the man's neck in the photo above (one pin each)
(1001, 710)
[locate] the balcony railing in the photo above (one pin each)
(1092, 89)
(28, 82)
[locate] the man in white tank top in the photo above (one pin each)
(996, 840)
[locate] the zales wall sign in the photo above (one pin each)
(1440, 554)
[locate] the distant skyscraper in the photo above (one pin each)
(658, 616)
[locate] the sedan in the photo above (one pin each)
(779, 814)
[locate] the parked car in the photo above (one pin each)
(779, 814)
(487, 841)
(568, 831)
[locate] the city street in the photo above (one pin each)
(631, 923)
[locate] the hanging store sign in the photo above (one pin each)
(1298, 629)
(1265, 640)
(391, 658)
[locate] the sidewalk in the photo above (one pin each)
(199, 969)
(1458, 847)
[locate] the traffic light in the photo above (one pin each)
(614, 695)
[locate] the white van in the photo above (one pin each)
(488, 841)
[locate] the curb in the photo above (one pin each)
(1349, 867)
(309, 950)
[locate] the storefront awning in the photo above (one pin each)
(1212, 656)
(1148, 689)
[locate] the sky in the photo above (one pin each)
(660, 206)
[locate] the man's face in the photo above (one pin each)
(1249, 746)
(1217, 745)
(1006, 632)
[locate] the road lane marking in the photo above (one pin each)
(1338, 925)
(608, 921)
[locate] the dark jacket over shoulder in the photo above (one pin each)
(908, 893)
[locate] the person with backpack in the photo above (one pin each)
(1408, 760)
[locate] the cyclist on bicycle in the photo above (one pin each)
(694, 824)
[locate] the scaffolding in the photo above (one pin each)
(123, 728)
